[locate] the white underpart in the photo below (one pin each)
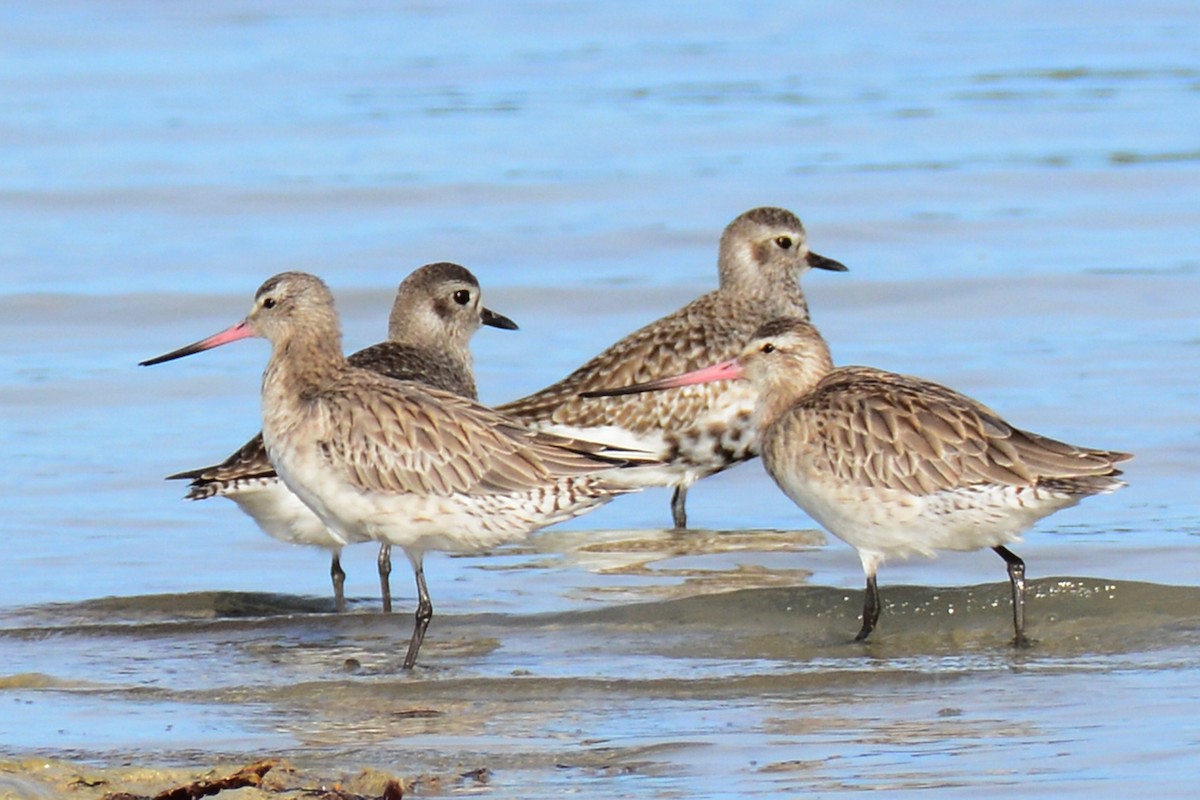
(887, 523)
(453, 523)
(698, 453)
(622, 443)
(280, 513)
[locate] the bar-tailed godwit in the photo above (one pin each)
(897, 466)
(696, 431)
(397, 461)
(436, 311)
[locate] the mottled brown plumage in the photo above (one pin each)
(896, 465)
(881, 430)
(397, 461)
(417, 440)
(437, 310)
(697, 430)
(395, 360)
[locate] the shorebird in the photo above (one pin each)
(436, 311)
(696, 431)
(897, 466)
(396, 461)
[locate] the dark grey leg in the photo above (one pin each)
(423, 616)
(870, 610)
(339, 582)
(1016, 576)
(678, 512)
(385, 569)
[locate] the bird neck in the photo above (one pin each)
(780, 390)
(300, 367)
(773, 292)
(772, 403)
(784, 298)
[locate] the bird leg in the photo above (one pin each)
(678, 512)
(339, 583)
(385, 569)
(1016, 576)
(423, 616)
(871, 608)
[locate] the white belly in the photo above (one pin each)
(281, 514)
(723, 435)
(895, 524)
(454, 523)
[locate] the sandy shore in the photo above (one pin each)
(274, 778)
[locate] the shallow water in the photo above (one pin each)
(1014, 193)
(759, 689)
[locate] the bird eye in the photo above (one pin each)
(784, 242)
(768, 348)
(269, 302)
(462, 297)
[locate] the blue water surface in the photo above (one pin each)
(1014, 189)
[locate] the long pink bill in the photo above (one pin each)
(725, 371)
(240, 331)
